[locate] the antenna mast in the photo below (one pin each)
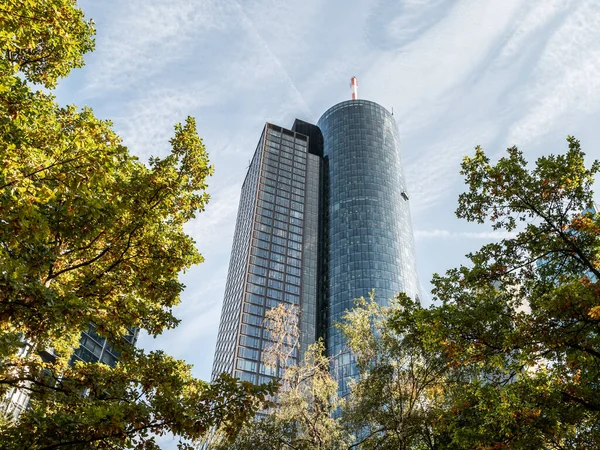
(354, 86)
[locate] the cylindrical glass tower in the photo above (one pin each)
(368, 235)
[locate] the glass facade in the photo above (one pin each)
(324, 218)
(93, 348)
(273, 258)
(368, 234)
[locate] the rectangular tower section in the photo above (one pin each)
(274, 256)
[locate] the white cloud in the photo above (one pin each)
(443, 57)
(214, 227)
(144, 36)
(432, 175)
(567, 75)
(533, 18)
(147, 122)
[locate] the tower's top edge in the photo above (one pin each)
(351, 104)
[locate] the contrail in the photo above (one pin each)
(273, 56)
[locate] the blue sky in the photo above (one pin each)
(457, 73)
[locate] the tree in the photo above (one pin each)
(281, 326)
(520, 325)
(395, 401)
(91, 235)
(300, 416)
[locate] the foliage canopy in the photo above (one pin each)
(91, 235)
(519, 326)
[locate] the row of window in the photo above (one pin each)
(270, 181)
(281, 180)
(278, 224)
(273, 282)
(262, 290)
(287, 141)
(285, 145)
(284, 170)
(277, 232)
(284, 166)
(274, 297)
(263, 243)
(283, 191)
(277, 131)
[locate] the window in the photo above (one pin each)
(275, 284)
(265, 205)
(292, 270)
(282, 193)
(276, 266)
(248, 353)
(265, 220)
(259, 261)
(249, 341)
(278, 240)
(258, 270)
(293, 280)
(252, 278)
(261, 244)
(244, 364)
(266, 196)
(293, 262)
(272, 304)
(255, 298)
(254, 309)
(292, 298)
(250, 330)
(294, 253)
(292, 289)
(276, 275)
(272, 293)
(283, 201)
(281, 233)
(260, 252)
(265, 212)
(280, 224)
(253, 288)
(277, 257)
(278, 249)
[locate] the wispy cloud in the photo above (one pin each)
(433, 174)
(276, 62)
(213, 229)
(443, 57)
(146, 124)
(567, 75)
(445, 234)
(144, 36)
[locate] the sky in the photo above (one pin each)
(457, 73)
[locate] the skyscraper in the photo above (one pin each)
(323, 219)
(367, 233)
(275, 252)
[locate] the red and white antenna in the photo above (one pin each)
(354, 86)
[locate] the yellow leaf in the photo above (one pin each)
(594, 313)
